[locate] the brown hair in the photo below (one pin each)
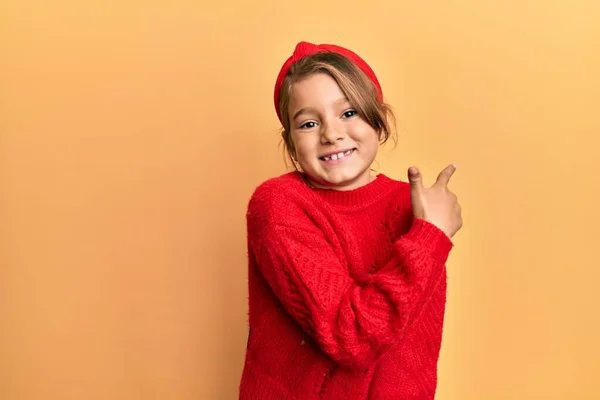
(358, 88)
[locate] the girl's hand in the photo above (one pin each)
(436, 204)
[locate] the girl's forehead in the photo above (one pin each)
(316, 86)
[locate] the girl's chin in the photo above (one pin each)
(339, 182)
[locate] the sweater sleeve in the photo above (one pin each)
(352, 322)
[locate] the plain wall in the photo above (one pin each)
(133, 133)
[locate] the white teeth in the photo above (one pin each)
(337, 156)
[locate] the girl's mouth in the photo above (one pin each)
(337, 156)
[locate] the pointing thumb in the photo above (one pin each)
(416, 191)
(414, 177)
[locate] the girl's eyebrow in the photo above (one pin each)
(304, 110)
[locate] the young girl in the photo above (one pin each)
(347, 279)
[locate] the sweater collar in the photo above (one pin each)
(362, 196)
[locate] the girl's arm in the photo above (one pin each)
(352, 323)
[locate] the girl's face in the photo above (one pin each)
(334, 146)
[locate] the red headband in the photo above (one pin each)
(304, 49)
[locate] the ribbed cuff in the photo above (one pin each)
(429, 237)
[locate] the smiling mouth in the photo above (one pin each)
(337, 156)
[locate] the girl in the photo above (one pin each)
(347, 279)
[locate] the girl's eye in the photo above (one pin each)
(349, 113)
(308, 125)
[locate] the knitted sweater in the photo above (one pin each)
(346, 293)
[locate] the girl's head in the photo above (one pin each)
(331, 107)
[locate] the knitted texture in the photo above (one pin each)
(346, 293)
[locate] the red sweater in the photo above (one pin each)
(346, 293)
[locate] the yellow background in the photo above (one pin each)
(133, 133)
